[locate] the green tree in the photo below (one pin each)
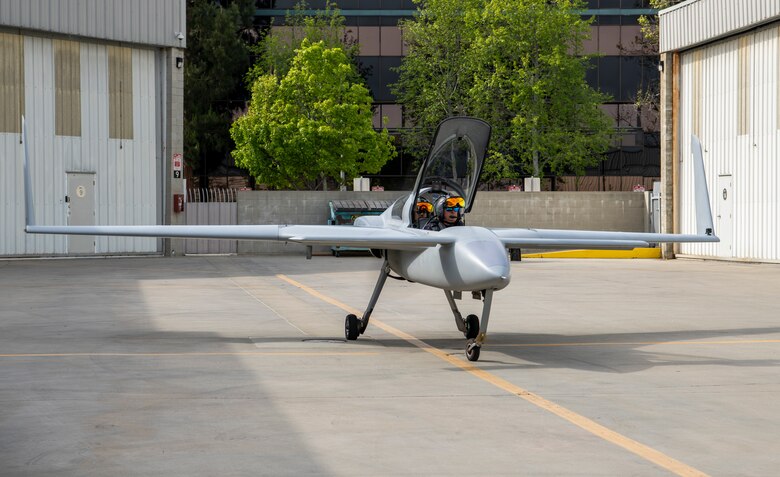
(311, 124)
(520, 65)
(217, 57)
(437, 74)
(530, 84)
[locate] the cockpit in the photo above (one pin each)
(451, 170)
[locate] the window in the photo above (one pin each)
(67, 88)
(11, 82)
(120, 93)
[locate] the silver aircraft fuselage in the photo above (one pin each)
(474, 258)
(477, 260)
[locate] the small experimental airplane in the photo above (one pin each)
(456, 259)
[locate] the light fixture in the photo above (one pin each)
(179, 62)
(661, 66)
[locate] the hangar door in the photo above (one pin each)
(81, 210)
(729, 99)
(724, 220)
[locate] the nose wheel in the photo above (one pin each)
(472, 328)
(476, 330)
(472, 351)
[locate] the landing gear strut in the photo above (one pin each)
(471, 327)
(354, 326)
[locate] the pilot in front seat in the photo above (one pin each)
(447, 212)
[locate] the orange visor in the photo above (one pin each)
(455, 203)
(425, 207)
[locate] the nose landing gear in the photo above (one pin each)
(471, 327)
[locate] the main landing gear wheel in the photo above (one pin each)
(352, 327)
(472, 327)
(472, 351)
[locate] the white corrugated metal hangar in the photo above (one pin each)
(100, 85)
(721, 82)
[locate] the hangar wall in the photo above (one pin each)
(725, 90)
(729, 98)
(101, 91)
(124, 169)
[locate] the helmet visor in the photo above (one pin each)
(424, 207)
(454, 203)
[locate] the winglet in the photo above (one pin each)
(703, 213)
(29, 212)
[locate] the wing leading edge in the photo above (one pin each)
(369, 237)
(590, 238)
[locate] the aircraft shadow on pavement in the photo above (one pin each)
(608, 353)
(615, 352)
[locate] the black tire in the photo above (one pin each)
(351, 327)
(472, 327)
(472, 352)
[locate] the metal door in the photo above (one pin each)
(81, 210)
(725, 227)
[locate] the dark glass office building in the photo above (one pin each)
(620, 72)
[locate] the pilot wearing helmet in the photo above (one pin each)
(448, 212)
(422, 213)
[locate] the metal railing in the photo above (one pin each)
(212, 195)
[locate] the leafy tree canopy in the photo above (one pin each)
(519, 64)
(312, 123)
(437, 74)
(531, 84)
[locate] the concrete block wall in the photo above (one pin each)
(621, 211)
(295, 208)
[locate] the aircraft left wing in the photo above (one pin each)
(590, 238)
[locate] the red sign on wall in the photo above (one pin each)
(178, 164)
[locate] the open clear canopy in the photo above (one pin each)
(454, 161)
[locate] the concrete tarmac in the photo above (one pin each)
(237, 366)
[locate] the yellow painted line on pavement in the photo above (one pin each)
(641, 450)
(634, 343)
(141, 355)
(635, 253)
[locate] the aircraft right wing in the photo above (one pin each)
(368, 237)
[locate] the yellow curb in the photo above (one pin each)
(635, 253)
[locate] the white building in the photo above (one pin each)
(721, 82)
(100, 85)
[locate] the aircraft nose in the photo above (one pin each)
(489, 264)
(501, 276)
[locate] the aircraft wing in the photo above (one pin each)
(590, 238)
(368, 237)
